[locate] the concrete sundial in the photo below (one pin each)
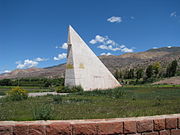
(84, 68)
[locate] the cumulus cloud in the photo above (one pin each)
(125, 49)
(7, 71)
(169, 46)
(4, 71)
(29, 63)
(116, 19)
(132, 17)
(63, 46)
(107, 54)
(60, 56)
(98, 39)
(108, 44)
(173, 14)
(101, 39)
(26, 64)
(40, 59)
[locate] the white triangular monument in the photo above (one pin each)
(83, 67)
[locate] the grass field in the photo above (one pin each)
(5, 89)
(120, 102)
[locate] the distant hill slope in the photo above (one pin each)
(129, 60)
(172, 80)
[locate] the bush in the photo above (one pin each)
(66, 89)
(57, 99)
(17, 94)
(2, 93)
(42, 112)
(113, 93)
(77, 89)
(118, 93)
(61, 89)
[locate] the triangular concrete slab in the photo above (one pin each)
(84, 68)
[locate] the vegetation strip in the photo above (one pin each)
(111, 103)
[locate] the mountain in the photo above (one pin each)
(129, 60)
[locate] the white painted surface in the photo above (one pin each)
(44, 93)
(84, 67)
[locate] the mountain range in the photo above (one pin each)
(125, 61)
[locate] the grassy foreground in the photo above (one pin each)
(31, 89)
(119, 102)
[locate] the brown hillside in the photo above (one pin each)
(129, 60)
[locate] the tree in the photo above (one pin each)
(5, 82)
(149, 71)
(126, 74)
(139, 74)
(131, 74)
(156, 68)
(171, 69)
(116, 74)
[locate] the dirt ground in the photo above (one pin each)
(172, 80)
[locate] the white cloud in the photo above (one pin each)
(60, 56)
(107, 54)
(26, 64)
(173, 14)
(132, 17)
(93, 41)
(154, 47)
(29, 63)
(98, 39)
(40, 59)
(4, 71)
(109, 41)
(7, 71)
(103, 47)
(108, 44)
(114, 19)
(64, 46)
(126, 50)
(101, 39)
(169, 46)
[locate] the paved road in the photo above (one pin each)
(42, 94)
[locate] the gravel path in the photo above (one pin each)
(42, 94)
(45, 93)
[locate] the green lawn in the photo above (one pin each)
(121, 102)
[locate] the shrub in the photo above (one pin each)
(113, 93)
(17, 94)
(2, 93)
(57, 99)
(42, 112)
(117, 93)
(62, 89)
(77, 89)
(59, 89)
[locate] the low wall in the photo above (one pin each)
(150, 125)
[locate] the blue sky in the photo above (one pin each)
(32, 32)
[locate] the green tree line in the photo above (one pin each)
(39, 82)
(150, 73)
